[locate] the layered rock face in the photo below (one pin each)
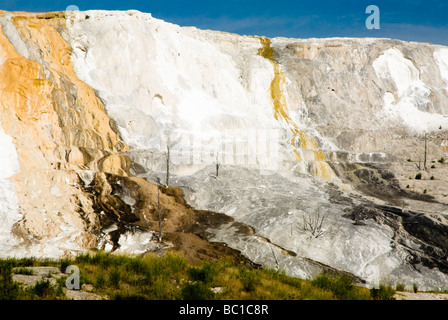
(59, 134)
(310, 148)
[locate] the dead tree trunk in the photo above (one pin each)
(217, 165)
(275, 258)
(160, 214)
(167, 166)
(425, 152)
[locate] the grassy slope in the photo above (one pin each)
(173, 277)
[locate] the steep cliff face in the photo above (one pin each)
(318, 143)
(59, 129)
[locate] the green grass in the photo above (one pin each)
(42, 290)
(172, 277)
(342, 287)
(415, 287)
(384, 292)
(9, 290)
(24, 271)
(400, 286)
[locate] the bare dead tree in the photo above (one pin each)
(426, 148)
(314, 223)
(217, 165)
(167, 166)
(160, 214)
(275, 258)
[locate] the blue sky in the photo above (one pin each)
(415, 20)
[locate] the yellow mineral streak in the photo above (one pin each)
(88, 115)
(281, 113)
(34, 96)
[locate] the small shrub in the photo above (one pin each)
(204, 274)
(424, 191)
(249, 279)
(342, 287)
(433, 167)
(382, 293)
(43, 289)
(114, 278)
(166, 289)
(64, 263)
(323, 281)
(27, 262)
(432, 178)
(106, 260)
(400, 287)
(418, 176)
(99, 258)
(9, 290)
(409, 160)
(25, 271)
(407, 187)
(175, 262)
(136, 265)
(100, 281)
(197, 291)
(441, 160)
(415, 287)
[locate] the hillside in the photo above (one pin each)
(318, 142)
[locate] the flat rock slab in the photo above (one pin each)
(52, 274)
(38, 274)
(81, 295)
(421, 296)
